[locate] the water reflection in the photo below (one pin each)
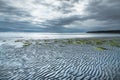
(53, 35)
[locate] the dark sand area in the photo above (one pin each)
(61, 59)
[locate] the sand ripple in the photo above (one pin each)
(71, 62)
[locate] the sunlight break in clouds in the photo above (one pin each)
(40, 11)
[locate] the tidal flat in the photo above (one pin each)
(60, 59)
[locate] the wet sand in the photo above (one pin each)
(59, 60)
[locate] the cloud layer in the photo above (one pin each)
(59, 15)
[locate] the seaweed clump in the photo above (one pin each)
(100, 48)
(27, 43)
(114, 43)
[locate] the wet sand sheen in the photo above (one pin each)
(55, 60)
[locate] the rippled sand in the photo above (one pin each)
(54, 60)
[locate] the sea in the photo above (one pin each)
(33, 35)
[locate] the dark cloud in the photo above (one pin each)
(64, 21)
(26, 27)
(28, 18)
(10, 10)
(104, 9)
(17, 26)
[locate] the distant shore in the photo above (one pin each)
(106, 31)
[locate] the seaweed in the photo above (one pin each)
(37, 43)
(18, 41)
(114, 43)
(99, 42)
(101, 48)
(26, 44)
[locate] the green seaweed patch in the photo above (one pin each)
(101, 48)
(92, 42)
(46, 40)
(76, 41)
(26, 44)
(56, 41)
(80, 41)
(37, 43)
(100, 42)
(67, 41)
(114, 43)
(70, 41)
(88, 42)
(18, 40)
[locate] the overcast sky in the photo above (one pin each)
(59, 15)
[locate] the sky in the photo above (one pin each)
(59, 16)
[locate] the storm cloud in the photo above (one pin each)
(59, 15)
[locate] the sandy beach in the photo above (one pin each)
(60, 59)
